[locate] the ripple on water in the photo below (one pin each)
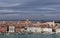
(30, 36)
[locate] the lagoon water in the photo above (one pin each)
(30, 36)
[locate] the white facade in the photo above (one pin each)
(47, 29)
(34, 29)
(22, 30)
(57, 30)
(51, 23)
(11, 29)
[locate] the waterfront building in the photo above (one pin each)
(3, 29)
(17, 29)
(22, 30)
(46, 28)
(29, 26)
(1, 23)
(36, 24)
(11, 23)
(11, 29)
(34, 29)
(24, 23)
(57, 28)
(51, 24)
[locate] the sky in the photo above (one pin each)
(30, 9)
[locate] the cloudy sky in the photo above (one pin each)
(30, 9)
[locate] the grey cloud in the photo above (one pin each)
(9, 5)
(32, 9)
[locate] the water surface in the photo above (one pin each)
(30, 36)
